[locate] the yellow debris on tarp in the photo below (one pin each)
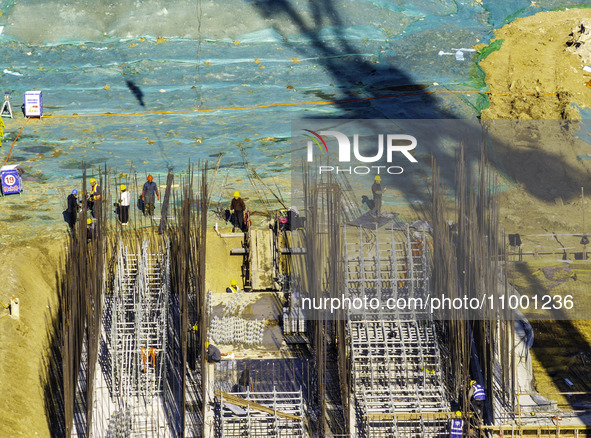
(1, 131)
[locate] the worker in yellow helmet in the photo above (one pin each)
(124, 205)
(94, 197)
(237, 208)
(377, 191)
(89, 229)
(477, 396)
(456, 426)
(233, 287)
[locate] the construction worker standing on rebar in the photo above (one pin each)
(237, 208)
(124, 205)
(477, 395)
(377, 191)
(149, 191)
(456, 426)
(94, 197)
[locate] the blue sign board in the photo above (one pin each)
(11, 180)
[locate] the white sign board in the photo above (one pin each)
(33, 104)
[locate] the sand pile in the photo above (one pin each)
(538, 71)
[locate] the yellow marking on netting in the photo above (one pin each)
(275, 104)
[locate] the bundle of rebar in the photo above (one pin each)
(87, 280)
(188, 240)
(80, 295)
(468, 261)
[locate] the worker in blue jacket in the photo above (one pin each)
(456, 426)
(478, 396)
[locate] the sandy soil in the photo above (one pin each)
(220, 266)
(27, 272)
(536, 75)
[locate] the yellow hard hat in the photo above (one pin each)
(236, 194)
(206, 344)
(88, 221)
(233, 282)
(92, 181)
(472, 382)
(378, 178)
(458, 413)
(122, 187)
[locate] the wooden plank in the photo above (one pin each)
(261, 259)
(228, 235)
(253, 259)
(239, 401)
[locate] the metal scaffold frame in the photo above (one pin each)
(128, 397)
(396, 361)
(284, 416)
(138, 335)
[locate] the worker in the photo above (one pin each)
(149, 358)
(150, 189)
(72, 209)
(402, 277)
(477, 395)
(237, 208)
(456, 426)
(233, 287)
(213, 353)
(377, 191)
(95, 195)
(124, 205)
(294, 220)
(417, 246)
(89, 229)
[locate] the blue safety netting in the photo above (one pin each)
(367, 59)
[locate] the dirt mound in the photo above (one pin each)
(538, 71)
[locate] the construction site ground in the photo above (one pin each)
(30, 254)
(30, 275)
